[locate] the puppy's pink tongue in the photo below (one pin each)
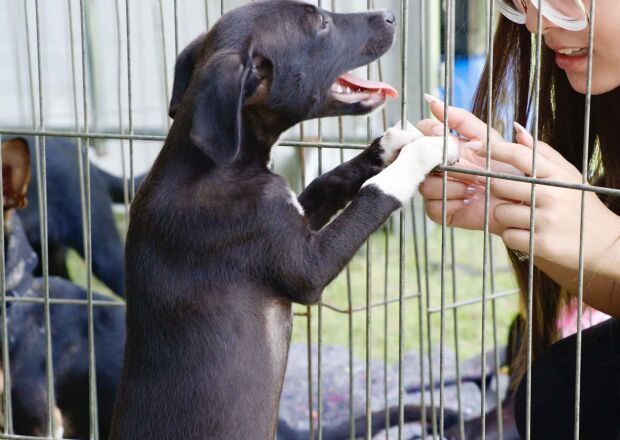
(352, 80)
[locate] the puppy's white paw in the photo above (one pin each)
(396, 138)
(415, 161)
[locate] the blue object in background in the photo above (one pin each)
(467, 72)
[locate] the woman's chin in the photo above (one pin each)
(599, 85)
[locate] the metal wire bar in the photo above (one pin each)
(450, 65)
(163, 51)
(207, 21)
(25, 437)
(534, 180)
(373, 305)
(584, 180)
(368, 294)
(310, 391)
(42, 189)
(320, 305)
(8, 418)
(404, 12)
(349, 300)
(308, 308)
(132, 187)
(87, 233)
(368, 337)
(5, 347)
(320, 320)
(386, 278)
(530, 282)
(498, 397)
(119, 103)
(448, 75)
(80, 302)
(421, 305)
(429, 328)
(473, 301)
(350, 330)
(487, 204)
(455, 324)
(176, 33)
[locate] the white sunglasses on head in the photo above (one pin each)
(568, 14)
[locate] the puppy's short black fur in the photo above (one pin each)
(69, 325)
(216, 250)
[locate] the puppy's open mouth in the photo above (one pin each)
(351, 89)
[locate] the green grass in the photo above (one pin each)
(384, 338)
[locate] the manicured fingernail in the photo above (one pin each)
(474, 146)
(472, 189)
(430, 98)
(438, 130)
(521, 129)
(470, 201)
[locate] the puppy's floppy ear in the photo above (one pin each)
(183, 70)
(220, 90)
(15, 172)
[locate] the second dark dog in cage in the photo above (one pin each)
(64, 214)
(218, 247)
(69, 327)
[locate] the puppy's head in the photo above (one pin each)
(15, 174)
(268, 65)
(15, 179)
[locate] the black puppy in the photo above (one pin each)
(65, 214)
(218, 248)
(69, 325)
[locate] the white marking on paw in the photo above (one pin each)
(396, 138)
(295, 202)
(415, 161)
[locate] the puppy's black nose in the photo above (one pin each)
(389, 17)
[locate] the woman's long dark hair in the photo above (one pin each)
(561, 125)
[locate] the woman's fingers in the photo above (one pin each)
(511, 190)
(462, 121)
(525, 138)
(520, 157)
(434, 210)
(512, 215)
(429, 127)
(517, 239)
(432, 188)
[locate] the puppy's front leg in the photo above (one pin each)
(311, 260)
(330, 192)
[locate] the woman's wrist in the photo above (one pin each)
(607, 261)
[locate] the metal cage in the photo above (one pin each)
(426, 296)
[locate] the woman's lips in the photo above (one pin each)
(572, 63)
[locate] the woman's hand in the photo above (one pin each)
(557, 221)
(464, 193)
